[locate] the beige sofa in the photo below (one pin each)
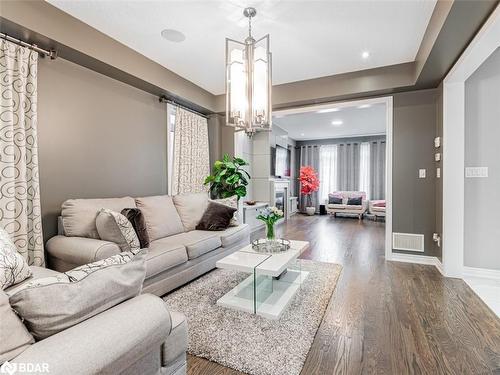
(346, 209)
(117, 341)
(177, 254)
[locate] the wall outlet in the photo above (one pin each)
(437, 142)
(476, 172)
(437, 156)
(438, 172)
(421, 173)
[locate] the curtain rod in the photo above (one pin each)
(164, 99)
(52, 53)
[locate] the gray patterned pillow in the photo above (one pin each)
(52, 304)
(113, 226)
(233, 203)
(13, 267)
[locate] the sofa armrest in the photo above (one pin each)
(66, 253)
(107, 343)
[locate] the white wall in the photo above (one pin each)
(482, 134)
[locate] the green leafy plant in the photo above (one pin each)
(228, 178)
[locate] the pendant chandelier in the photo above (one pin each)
(248, 81)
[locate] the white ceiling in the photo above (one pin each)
(355, 122)
(309, 39)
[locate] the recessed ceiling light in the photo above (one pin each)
(365, 54)
(173, 35)
(337, 122)
(364, 106)
(326, 110)
(302, 134)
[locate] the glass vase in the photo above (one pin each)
(270, 236)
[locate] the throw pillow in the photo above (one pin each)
(233, 203)
(216, 217)
(334, 199)
(354, 201)
(52, 304)
(13, 267)
(114, 227)
(15, 337)
(136, 218)
(379, 204)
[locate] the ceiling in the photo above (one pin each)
(309, 39)
(356, 121)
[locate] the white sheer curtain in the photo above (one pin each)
(364, 169)
(327, 171)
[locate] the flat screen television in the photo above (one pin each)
(280, 161)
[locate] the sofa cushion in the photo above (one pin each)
(15, 336)
(199, 242)
(233, 235)
(191, 207)
(114, 227)
(377, 209)
(162, 219)
(55, 303)
(78, 215)
(164, 254)
(337, 206)
(13, 267)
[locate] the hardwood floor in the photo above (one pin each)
(387, 317)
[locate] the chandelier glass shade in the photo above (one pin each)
(248, 82)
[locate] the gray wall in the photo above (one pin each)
(482, 132)
(414, 199)
(97, 138)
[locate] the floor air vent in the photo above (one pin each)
(408, 241)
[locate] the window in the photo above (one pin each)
(327, 171)
(364, 168)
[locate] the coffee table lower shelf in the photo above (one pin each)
(270, 296)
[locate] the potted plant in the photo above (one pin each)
(270, 216)
(309, 183)
(228, 178)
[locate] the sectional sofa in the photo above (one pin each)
(178, 252)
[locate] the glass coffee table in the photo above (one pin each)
(273, 281)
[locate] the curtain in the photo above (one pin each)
(377, 168)
(191, 153)
(20, 212)
(348, 166)
(327, 171)
(309, 156)
(364, 169)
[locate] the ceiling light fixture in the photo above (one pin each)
(365, 55)
(248, 81)
(327, 110)
(337, 122)
(302, 134)
(364, 106)
(173, 35)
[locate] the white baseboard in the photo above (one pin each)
(484, 273)
(418, 259)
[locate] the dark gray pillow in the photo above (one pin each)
(136, 218)
(356, 201)
(52, 304)
(333, 199)
(216, 217)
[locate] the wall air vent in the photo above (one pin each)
(408, 242)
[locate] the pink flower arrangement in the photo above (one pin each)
(309, 181)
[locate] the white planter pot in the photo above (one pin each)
(310, 210)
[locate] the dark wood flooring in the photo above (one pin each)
(387, 317)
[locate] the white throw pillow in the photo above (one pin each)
(233, 203)
(13, 267)
(114, 227)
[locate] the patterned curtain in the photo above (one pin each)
(19, 188)
(191, 153)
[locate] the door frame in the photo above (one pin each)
(388, 102)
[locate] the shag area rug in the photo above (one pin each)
(248, 342)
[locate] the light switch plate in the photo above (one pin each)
(421, 173)
(437, 156)
(476, 172)
(438, 172)
(437, 142)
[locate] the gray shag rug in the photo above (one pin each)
(247, 342)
